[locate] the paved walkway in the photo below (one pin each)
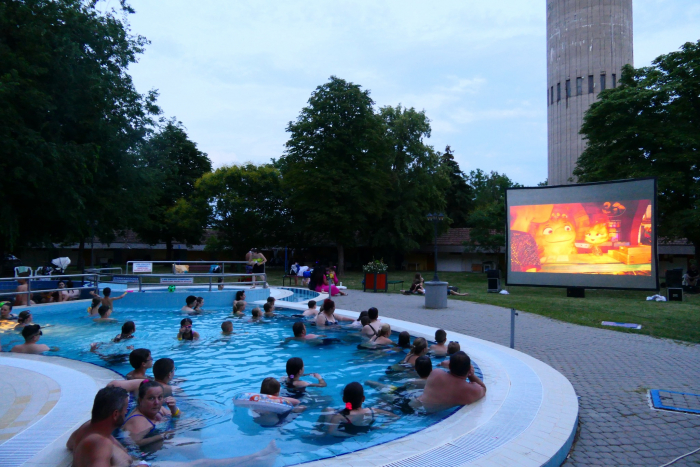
(611, 372)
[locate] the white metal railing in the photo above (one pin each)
(58, 278)
(210, 276)
(221, 263)
(105, 272)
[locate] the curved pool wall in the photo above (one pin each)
(527, 418)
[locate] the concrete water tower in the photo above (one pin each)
(588, 42)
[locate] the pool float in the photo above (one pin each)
(262, 402)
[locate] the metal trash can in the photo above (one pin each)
(435, 294)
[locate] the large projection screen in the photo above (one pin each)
(593, 235)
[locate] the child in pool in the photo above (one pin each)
(140, 360)
(269, 308)
(92, 309)
(424, 366)
(439, 349)
(105, 312)
(107, 300)
(256, 315)
(295, 370)
(227, 328)
(164, 372)
(452, 348)
(312, 312)
(186, 333)
(271, 387)
(419, 348)
(238, 308)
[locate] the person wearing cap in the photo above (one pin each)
(32, 333)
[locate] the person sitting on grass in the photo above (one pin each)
(299, 330)
(227, 328)
(31, 334)
(444, 390)
(186, 333)
(271, 387)
(238, 309)
(690, 278)
(353, 419)
(416, 287)
(312, 311)
(269, 308)
(454, 291)
(190, 304)
(140, 360)
(439, 349)
(452, 348)
(164, 372)
(107, 300)
(104, 313)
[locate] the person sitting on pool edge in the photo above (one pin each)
(238, 309)
(105, 312)
(312, 311)
(140, 360)
(31, 334)
(452, 348)
(163, 373)
(227, 328)
(271, 387)
(269, 310)
(439, 349)
(353, 419)
(186, 333)
(444, 390)
(190, 304)
(299, 330)
(295, 370)
(107, 300)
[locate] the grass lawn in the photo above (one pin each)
(674, 320)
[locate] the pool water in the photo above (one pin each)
(209, 372)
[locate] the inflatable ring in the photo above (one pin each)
(262, 402)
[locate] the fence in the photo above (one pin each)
(42, 280)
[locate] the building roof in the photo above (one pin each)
(454, 237)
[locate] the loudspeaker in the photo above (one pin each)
(674, 278)
(493, 285)
(674, 294)
(576, 292)
(493, 274)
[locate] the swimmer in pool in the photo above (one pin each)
(190, 304)
(199, 306)
(227, 328)
(327, 316)
(140, 360)
(141, 423)
(107, 300)
(271, 387)
(358, 323)
(186, 333)
(163, 373)
(439, 349)
(240, 297)
(404, 340)
(92, 309)
(128, 330)
(382, 336)
(256, 315)
(24, 319)
(269, 310)
(31, 334)
(452, 348)
(238, 309)
(295, 370)
(424, 366)
(444, 390)
(6, 312)
(299, 330)
(312, 311)
(104, 315)
(419, 348)
(353, 419)
(374, 323)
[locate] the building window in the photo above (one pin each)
(558, 92)
(590, 84)
(579, 86)
(551, 94)
(614, 83)
(602, 81)
(568, 88)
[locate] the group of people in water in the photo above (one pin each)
(142, 402)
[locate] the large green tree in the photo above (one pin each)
(335, 168)
(459, 194)
(178, 164)
(416, 185)
(650, 126)
(71, 123)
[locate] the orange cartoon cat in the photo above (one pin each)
(596, 235)
(556, 236)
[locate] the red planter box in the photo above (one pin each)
(376, 282)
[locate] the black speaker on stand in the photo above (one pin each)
(493, 281)
(674, 285)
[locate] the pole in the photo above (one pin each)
(29, 291)
(286, 267)
(92, 245)
(513, 314)
(435, 277)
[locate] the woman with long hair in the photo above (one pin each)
(353, 419)
(324, 280)
(327, 315)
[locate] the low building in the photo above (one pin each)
(452, 256)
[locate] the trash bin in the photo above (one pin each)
(435, 294)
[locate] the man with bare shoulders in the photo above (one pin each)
(444, 390)
(21, 298)
(31, 334)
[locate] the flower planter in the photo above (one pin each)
(376, 281)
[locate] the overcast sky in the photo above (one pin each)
(236, 72)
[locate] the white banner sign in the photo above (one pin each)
(177, 280)
(143, 267)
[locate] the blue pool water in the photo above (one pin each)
(215, 368)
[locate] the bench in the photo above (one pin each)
(394, 283)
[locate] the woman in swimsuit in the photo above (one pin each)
(186, 333)
(141, 423)
(327, 316)
(24, 319)
(420, 348)
(353, 419)
(257, 260)
(295, 370)
(382, 336)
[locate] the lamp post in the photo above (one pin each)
(435, 217)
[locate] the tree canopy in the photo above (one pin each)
(650, 126)
(459, 195)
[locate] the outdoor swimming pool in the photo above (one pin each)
(215, 368)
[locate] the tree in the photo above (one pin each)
(459, 194)
(488, 220)
(71, 123)
(334, 168)
(179, 164)
(416, 185)
(245, 205)
(650, 126)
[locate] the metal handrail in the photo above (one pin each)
(61, 277)
(209, 275)
(100, 270)
(222, 263)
